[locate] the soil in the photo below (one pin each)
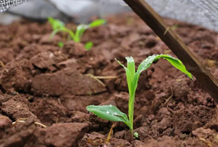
(44, 89)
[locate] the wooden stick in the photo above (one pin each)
(177, 46)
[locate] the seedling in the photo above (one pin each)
(60, 44)
(55, 23)
(136, 135)
(110, 112)
(76, 36)
(88, 45)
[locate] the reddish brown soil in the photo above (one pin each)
(44, 89)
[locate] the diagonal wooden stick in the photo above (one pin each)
(193, 65)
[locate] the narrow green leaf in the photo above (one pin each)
(80, 31)
(146, 63)
(135, 81)
(128, 76)
(131, 65)
(51, 20)
(55, 23)
(97, 22)
(109, 112)
(60, 44)
(175, 62)
(62, 30)
(83, 27)
(54, 33)
(88, 45)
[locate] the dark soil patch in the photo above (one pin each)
(44, 89)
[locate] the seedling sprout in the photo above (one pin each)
(76, 36)
(55, 23)
(110, 112)
(60, 44)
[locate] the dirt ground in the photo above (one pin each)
(44, 89)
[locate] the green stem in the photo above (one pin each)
(131, 111)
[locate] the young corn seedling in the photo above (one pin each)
(110, 112)
(60, 44)
(55, 23)
(77, 35)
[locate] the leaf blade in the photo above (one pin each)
(131, 65)
(97, 23)
(177, 64)
(88, 45)
(128, 76)
(108, 112)
(173, 61)
(55, 23)
(146, 63)
(80, 31)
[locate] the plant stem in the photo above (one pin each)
(131, 111)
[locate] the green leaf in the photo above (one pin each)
(80, 31)
(175, 62)
(131, 65)
(97, 22)
(60, 44)
(54, 33)
(136, 135)
(55, 23)
(51, 20)
(128, 76)
(109, 112)
(146, 63)
(88, 45)
(83, 27)
(62, 30)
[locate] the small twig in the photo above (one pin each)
(40, 124)
(166, 30)
(205, 141)
(170, 27)
(168, 99)
(2, 64)
(106, 77)
(20, 120)
(110, 133)
(100, 82)
(23, 120)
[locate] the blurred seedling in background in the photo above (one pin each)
(112, 113)
(76, 36)
(55, 23)
(60, 44)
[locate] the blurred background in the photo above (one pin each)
(198, 12)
